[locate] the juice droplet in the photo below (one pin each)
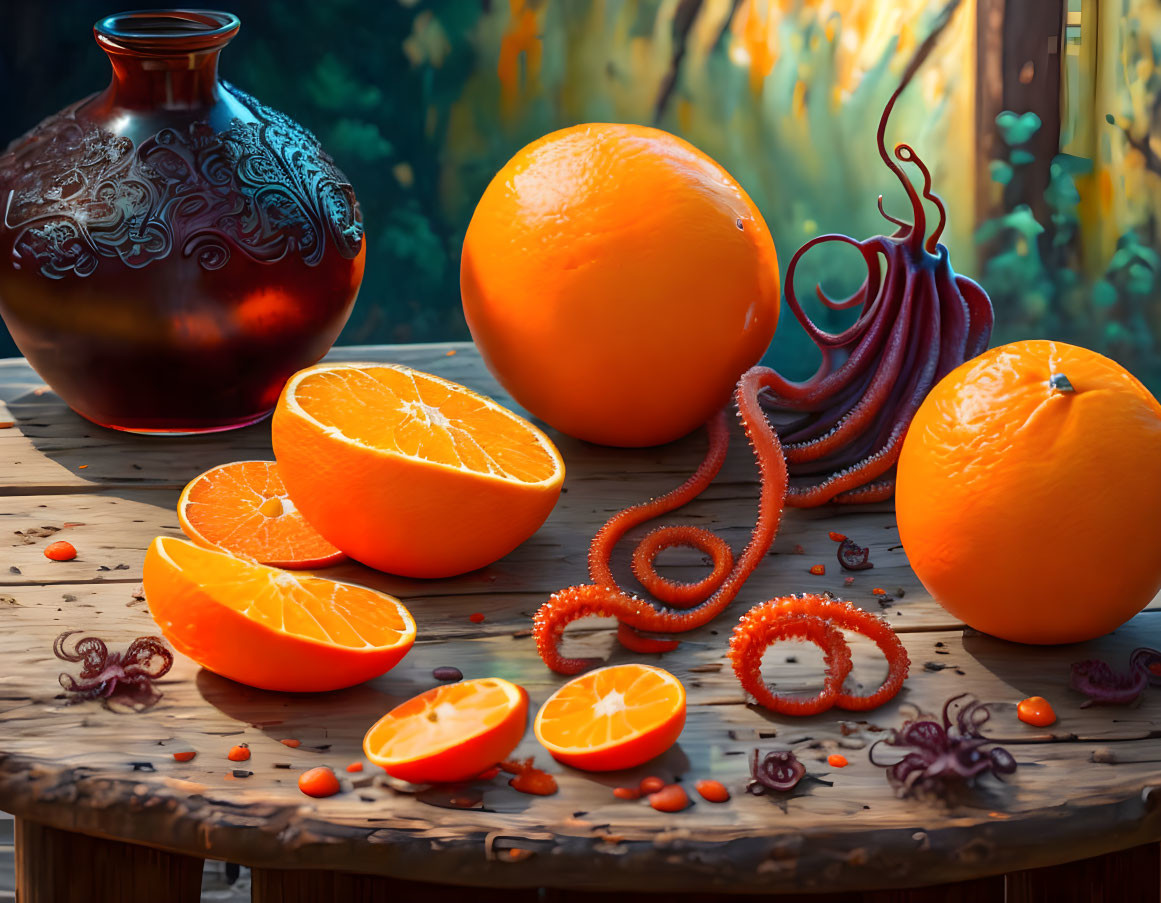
(1037, 711)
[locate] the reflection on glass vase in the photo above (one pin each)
(171, 250)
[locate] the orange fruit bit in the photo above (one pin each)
(534, 781)
(291, 742)
(270, 628)
(243, 508)
(452, 732)
(1043, 458)
(837, 537)
(450, 353)
(1037, 711)
(561, 225)
(7, 424)
(837, 760)
(650, 784)
(627, 793)
(818, 569)
(185, 756)
(879, 591)
(488, 773)
(671, 798)
(405, 471)
(319, 782)
(476, 618)
(239, 753)
(355, 767)
(60, 550)
(612, 718)
(82, 466)
(712, 791)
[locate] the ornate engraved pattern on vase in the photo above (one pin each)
(266, 188)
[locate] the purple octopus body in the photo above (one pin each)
(843, 428)
(104, 675)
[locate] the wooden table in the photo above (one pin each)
(100, 799)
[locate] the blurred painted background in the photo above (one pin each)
(1036, 117)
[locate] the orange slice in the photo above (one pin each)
(270, 628)
(611, 718)
(449, 733)
(411, 473)
(243, 508)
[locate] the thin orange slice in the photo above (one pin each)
(449, 733)
(243, 508)
(411, 473)
(270, 628)
(612, 718)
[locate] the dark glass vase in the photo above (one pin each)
(171, 250)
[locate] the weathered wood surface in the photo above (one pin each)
(1087, 785)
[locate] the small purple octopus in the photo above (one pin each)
(129, 675)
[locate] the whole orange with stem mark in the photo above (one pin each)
(410, 473)
(618, 281)
(268, 628)
(1029, 493)
(612, 718)
(449, 733)
(243, 508)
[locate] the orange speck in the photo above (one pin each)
(671, 798)
(712, 791)
(82, 466)
(450, 353)
(291, 742)
(529, 779)
(184, 756)
(318, 782)
(476, 618)
(239, 753)
(627, 793)
(355, 767)
(836, 760)
(7, 424)
(1037, 711)
(837, 537)
(651, 784)
(818, 569)
(879, 591)
(60, 551)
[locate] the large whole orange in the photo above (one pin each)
(618, 282)
(1031, 511)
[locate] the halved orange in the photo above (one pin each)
(612, 718)
(410, 473)
(243, 508)
(270, 628)
(449, 733)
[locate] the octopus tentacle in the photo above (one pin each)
(575, 602)
(817, 619)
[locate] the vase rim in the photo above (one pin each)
(166, 32)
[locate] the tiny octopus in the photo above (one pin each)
(104, 675)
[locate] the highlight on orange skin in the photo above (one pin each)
(1037, 711)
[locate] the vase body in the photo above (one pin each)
(171, 250)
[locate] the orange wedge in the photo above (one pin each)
(243, 508)
(270, 628)
(612, 718)
(410, 473)
(449, 733)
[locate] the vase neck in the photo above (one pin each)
(165, 59)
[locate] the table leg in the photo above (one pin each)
(54, 866)
(1133, 874)
(316, 886)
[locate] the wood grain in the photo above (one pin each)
(1086, 786)
(54, 866)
